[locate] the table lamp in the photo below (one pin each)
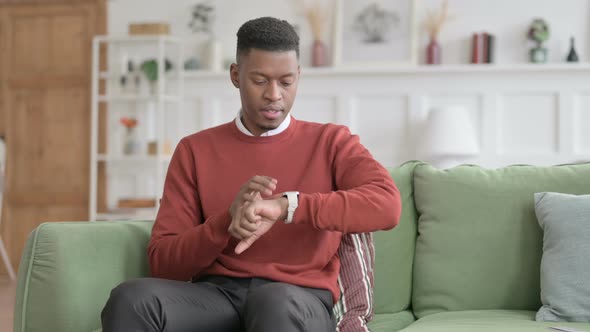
(449, 137)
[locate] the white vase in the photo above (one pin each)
(214, 55)
(130, 144)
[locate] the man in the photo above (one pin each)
(253, 211)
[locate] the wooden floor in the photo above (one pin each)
(7, 293)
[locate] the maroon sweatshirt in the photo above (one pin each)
(342, 190)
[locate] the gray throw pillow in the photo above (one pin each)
(565, 266)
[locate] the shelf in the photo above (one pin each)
(165, 95)
(107, 76)
(138, 39)
(134, 98)
(450, 69)
(418, 70)
(111, 76)
(139, 158)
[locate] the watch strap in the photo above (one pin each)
(293, 200)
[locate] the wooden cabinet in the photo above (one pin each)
(46, 69)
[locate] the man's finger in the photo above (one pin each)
(266, 190)
(263, 179)
(250, 213)
(239, 232)
(249, 226)
(246, 243)
(251, 196)
(234, 228)
(264, 184)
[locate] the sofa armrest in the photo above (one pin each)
(69, 268)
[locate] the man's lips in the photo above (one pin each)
(272, 113)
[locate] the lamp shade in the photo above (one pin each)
(449, 132)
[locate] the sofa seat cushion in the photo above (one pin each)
(391, 322)
(487, 321)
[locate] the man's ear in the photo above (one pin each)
(233, 74)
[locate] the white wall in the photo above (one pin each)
(507, 19)
(530, 114)
(522, 114)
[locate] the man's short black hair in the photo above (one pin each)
(268, 34)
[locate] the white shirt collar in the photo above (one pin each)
(284, 125)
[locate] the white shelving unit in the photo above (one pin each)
(158, 111)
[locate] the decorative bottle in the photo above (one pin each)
(572, 56)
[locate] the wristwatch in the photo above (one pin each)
(293, 199)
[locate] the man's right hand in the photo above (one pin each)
(263, 185)
(249, 192)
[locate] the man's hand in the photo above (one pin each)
(249, 192)
(258, 217)
(257, 185)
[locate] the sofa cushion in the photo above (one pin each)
(394, 250)
(68, 269)
(479, 244)
(391, 322)
(487, 321)
(565, 267)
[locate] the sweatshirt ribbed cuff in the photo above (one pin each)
(218, 225)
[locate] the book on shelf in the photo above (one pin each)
(483, 48)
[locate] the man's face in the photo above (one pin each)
(268, 85)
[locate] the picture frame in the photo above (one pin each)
(377, 33)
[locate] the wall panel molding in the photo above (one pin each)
(523, 114)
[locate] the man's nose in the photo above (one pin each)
(273, 92)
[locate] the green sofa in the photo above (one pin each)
(465, 256)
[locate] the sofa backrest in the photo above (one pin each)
(479, 244)
(394, 250)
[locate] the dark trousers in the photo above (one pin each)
(217, 304)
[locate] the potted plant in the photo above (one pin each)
(538, 33)
(150, 69)
(202, 19)
(130, 145)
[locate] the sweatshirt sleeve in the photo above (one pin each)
(183, 244)
(366, 198)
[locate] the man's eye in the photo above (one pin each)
(286, 83)
(259, 82)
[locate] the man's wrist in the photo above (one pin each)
(284, 202)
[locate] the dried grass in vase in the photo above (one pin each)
(435, 20)
(317, 16)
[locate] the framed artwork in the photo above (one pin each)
(374, 33)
